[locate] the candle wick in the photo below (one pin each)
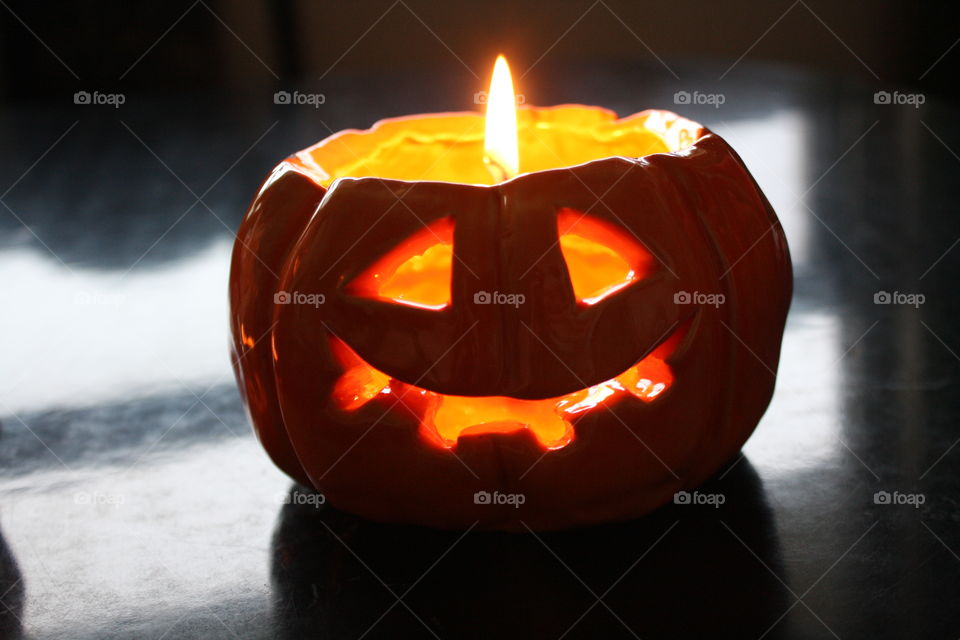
(496, 168)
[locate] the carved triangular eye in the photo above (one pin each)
(601, 258)
(416, 272)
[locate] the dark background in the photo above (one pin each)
(51, 48)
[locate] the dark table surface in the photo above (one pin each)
(134, 501)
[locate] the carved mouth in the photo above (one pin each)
(445, 418)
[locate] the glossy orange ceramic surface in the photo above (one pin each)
(594, 334)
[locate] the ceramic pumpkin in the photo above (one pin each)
(568, 347)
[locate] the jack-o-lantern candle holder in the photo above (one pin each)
(570, 346)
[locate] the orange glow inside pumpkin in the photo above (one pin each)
(450, 147)
(601, 260)
(415, 273)
(487, 149)
(444, 418)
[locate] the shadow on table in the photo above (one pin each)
(11, 594)
(683, 571)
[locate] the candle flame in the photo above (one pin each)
(500, 138)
